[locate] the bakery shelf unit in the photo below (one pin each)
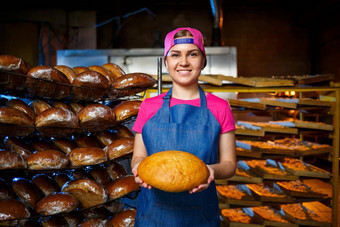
(334, 136)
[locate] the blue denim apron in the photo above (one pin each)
(186, 128)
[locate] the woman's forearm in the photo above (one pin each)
(224, 170)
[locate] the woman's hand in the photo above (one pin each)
(202, 187)
(137, 179)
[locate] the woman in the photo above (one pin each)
(186, 119)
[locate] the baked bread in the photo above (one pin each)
(22, 106)
(26, 191)
(134, 80)
(125, 218)
(94, 222)
(90, 85)
(105, 138)
(87, 141)
(80, 69)
(122, 131)
(13, 64)
(82, 156)
(65, 145)
(62, 105)
(116, 170)
(126, 109)
(11, 160)
(115, 69)
(75, 107)
(46, 81)
(39, 106)
(41, 144)
(88, 192)
(103, 71)
(5, 190)
(67, 71)
(14, 122)
(12, 209)
(61, 178)
(19, 146)
(56, 122)
(120, 147)
(99, 174)
(47, 159)
(173, 171)
(95, 117)
(57, 203)
(122, 187)
(46, 184)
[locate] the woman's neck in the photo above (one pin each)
(185, 93)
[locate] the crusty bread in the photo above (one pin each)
(56, 203)
(26, 191)
(47, 159)
(173, 171)
(21, 105)
(133, 80)
(115, 69)
(124, 218)
(126, 109)
(88, 192)
(46, 81)
(82, 156)
(39, 106)
(46, 184)
(122, 187)
(11, 160)
(116, 170)
(103, 71)
(120, 147)
(19, 146)
(12, 209)
(67, 71)
(95, 117)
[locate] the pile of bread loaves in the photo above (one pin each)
(80, 83)
(54, 118)
(68, 199)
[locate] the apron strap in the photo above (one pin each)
(203, 100)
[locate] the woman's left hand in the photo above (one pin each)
(202, 187)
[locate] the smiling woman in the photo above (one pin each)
(184, 119)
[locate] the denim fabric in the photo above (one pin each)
(186, 128)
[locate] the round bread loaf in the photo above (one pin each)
(39, 106)
(133, 80)
(12, 209)
(22, 106)
(90, 85)
(41, 144)
(62, 105)
(120, 147)
(116, 170)
(105, 138)
(122, 131)
(15, 122)
(87, 156)
(115, 69)
(19, 146)
(57, 203)
(103, 71)
(13, 64)
(87, 141)
(46, 81)
(88, 192)
(122, 187)
(94, 222)
(76, 107)
(96, 117)
(11, 160)
(67, 71)
(61, 178)
(173, 171)
(114, 206)
(46, 184)
(26, 191)
(80, 69)
(56, 122)
(125, 218)
(10, 115)
(126, 109)
(47, 159)
(99, 174)
(65, 145)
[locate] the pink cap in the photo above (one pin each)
(197, 39)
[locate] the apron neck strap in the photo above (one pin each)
(203, 100)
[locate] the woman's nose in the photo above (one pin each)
(184, 60)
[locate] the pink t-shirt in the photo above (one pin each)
(219, 108)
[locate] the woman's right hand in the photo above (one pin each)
(137, 179)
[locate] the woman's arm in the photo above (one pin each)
(226, 167)
(139, 153)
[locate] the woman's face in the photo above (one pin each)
(184, 63)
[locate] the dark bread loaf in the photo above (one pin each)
(26, 191)
(120, 147)
(124, 218)
(82, 156)
(11, 160)
(22, 106)
(57, 203)
(46, 184)
(47, 159)
(95, 117)
(122, 187)
(126, 109)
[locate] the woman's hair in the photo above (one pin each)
(182, 33)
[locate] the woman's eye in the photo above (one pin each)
(193, 54)
(174, 55)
